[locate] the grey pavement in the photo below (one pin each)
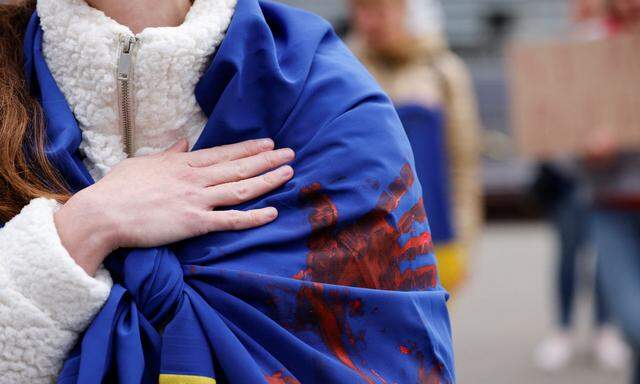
(505, 309)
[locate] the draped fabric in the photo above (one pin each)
(342, 288)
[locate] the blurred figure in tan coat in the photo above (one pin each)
(402, 44)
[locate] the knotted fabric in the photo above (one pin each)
(342, 288)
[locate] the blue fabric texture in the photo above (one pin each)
(342, 288)
(425, 130)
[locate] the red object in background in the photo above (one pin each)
(617, 16)
(622, 16)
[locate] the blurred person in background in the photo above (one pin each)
(623, 16)
(402, 43)
(615, 175)
(563, 189)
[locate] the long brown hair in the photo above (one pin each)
(25, 172)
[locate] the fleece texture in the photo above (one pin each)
(81, 46)
(46, 299)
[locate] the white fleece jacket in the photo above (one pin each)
(46, 299)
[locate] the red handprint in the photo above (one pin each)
(366, 253)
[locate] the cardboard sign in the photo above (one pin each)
(563, 92)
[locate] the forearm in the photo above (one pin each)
(46, 299)
(32, 346)
(84, 231)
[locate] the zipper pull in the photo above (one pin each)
(124, 61)
(125, 84)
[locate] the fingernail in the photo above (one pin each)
(286, 171)
(266, 144)
(287, 154)
(271, 212)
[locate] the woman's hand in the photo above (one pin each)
(171, 196)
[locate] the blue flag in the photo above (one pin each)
(342, 288)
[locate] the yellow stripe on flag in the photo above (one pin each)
(185, 379)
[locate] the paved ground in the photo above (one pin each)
(505, 309)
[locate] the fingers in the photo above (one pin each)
(238, 220)
(215, 155)
(245, 168)
(239, 192)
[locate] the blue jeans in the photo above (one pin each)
(618, 243)
(572, 220)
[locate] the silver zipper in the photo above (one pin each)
(125, 92)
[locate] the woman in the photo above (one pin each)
(564, 191)
(615, 177)
(89, 105)
(402, 43)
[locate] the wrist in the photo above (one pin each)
(86, 231)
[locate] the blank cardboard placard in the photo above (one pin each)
(563, 92)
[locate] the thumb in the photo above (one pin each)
(181, 145)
